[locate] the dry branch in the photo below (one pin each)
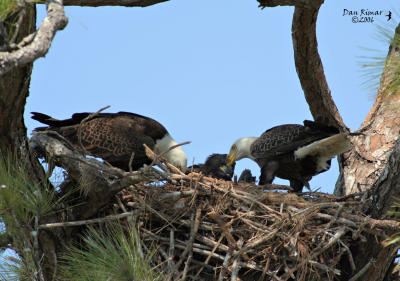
(86, 222)
(38, 44)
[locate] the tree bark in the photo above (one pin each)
(14, 89)
(310, 69)
(361, 167)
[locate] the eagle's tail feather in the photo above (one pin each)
(325, 148)
(48, 120)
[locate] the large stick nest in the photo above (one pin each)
(211, 229)
(207, 229)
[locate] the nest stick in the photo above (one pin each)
(212, 243)
(324, 267)
(223, 227)
(209, 256)
(317, 252)
(187, 263)
(193, 230)
(224, 267)
(265, 269)
(85, 222)
(350, 256)
(362, 271)
(155, 159)
(235, 269)
(148, 207)
(171, 251)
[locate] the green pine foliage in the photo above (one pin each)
(8, 7)
(19, 202)
(108, 254)
(22, 206)
(9, 10)
(395, 238)
(374, 62)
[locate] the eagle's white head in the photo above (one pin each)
(240, 149)
(176, 156)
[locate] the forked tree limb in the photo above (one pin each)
(40, 44)
(308, 62)
(310, 69)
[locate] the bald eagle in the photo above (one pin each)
(293, 152)
(214, 167)
(115, 137)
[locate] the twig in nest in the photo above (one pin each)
(120, 204)
(235, 269)
(222, 225)
(193, 230)
(356, 234)
(324, 267)
(272, 186)
(265, 269)
(210, 255)
(85, 120)
(153, 156)
(236, 261)
(171, 251)
(224, 267)
(147, 206)
(319, 251)
(334, 218)
(362, 271)
(350, 256)
(157, 158)
(84, 222)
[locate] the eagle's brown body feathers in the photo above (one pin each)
(110, 136)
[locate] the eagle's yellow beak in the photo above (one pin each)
(231, 157)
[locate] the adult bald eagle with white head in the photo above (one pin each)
(115, 137)
(293, 152)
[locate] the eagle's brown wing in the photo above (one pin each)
(284, 139)
(110, 136)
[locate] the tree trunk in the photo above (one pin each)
(14, 89)
(361, 167)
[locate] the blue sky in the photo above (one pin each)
(209, 71)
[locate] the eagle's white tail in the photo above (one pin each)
(325, 149)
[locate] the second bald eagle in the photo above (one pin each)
(293, 152)
(115, 137)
